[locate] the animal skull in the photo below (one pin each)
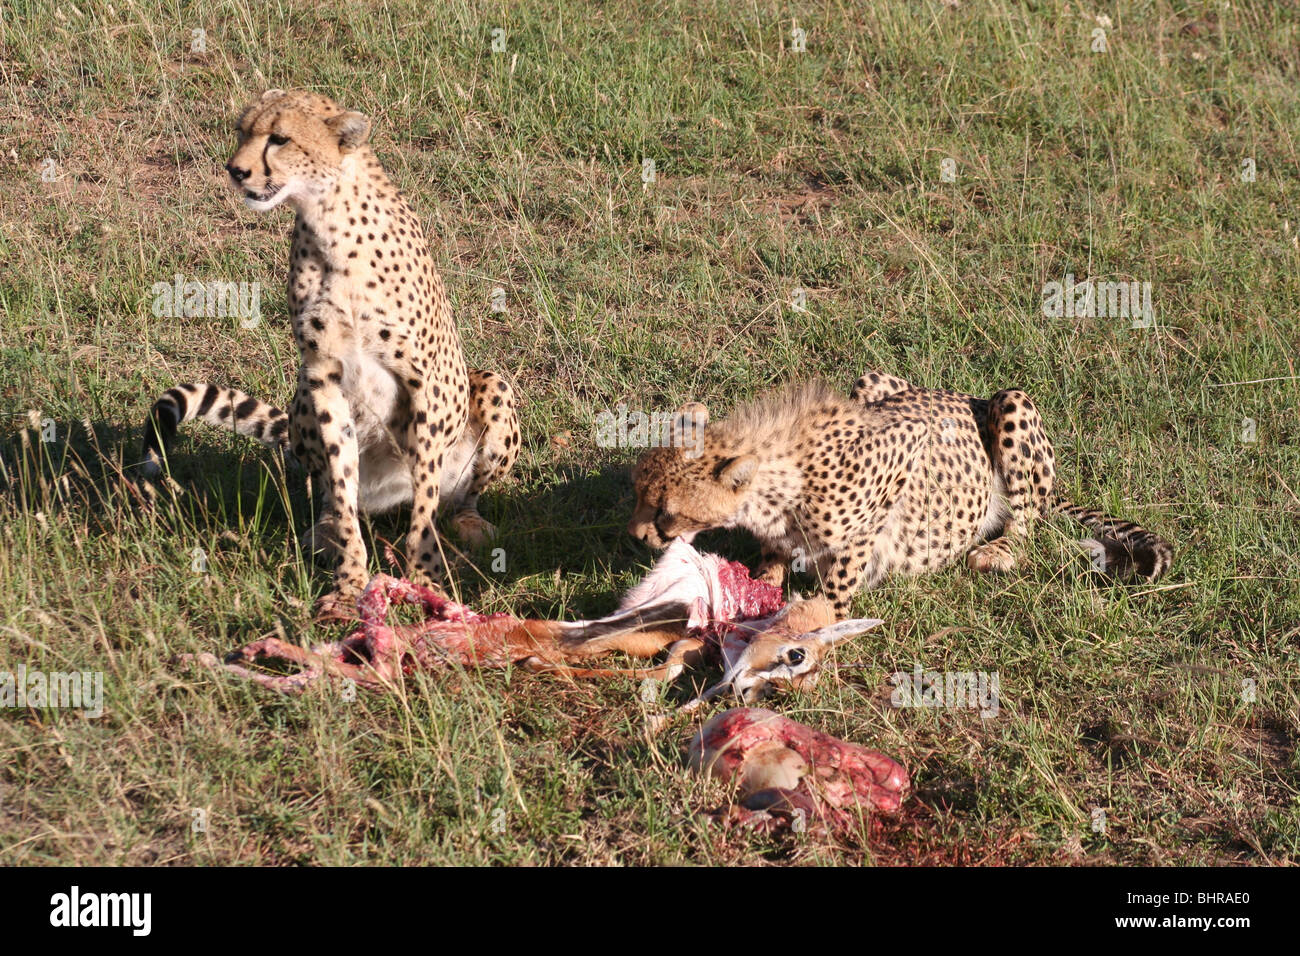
(782, 652)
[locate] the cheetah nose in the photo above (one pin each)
(237, 174)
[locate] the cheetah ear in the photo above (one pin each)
(272, 94)
(687, 427)
(352, 129)
(694, 412)
(738, 472)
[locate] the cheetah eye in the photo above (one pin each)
(795, 656)
(275, 139)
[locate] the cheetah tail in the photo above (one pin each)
(1127, 550)
(223, 407)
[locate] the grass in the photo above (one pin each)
(820, 170)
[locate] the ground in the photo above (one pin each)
(1125, 734)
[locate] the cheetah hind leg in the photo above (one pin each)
(485, 453)
(1024, 471)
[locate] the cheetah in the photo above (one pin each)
(386, 410)
(891, 480)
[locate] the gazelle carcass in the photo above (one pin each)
(690, 604)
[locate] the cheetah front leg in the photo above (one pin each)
(428, 434)
(319, 541)
(491, 441)
(771, 569)
(1024, 467)
(337, 438)
(845, 571)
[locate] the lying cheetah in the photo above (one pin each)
(895, 479)
(386, 411)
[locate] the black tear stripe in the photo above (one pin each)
(266, 167)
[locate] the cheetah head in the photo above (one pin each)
(292, 147)
(682, 491)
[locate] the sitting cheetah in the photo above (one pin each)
(894, 479)
(386, 411)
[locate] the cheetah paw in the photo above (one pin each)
(473, 529)
(996, 556)
(336, 605)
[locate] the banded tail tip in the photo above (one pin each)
(1128, 560)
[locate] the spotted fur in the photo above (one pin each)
(386, 411)
(894, 479)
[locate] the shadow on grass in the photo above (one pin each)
(564, 524)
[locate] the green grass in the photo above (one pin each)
(776, 170)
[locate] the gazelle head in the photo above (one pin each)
(787, 653)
